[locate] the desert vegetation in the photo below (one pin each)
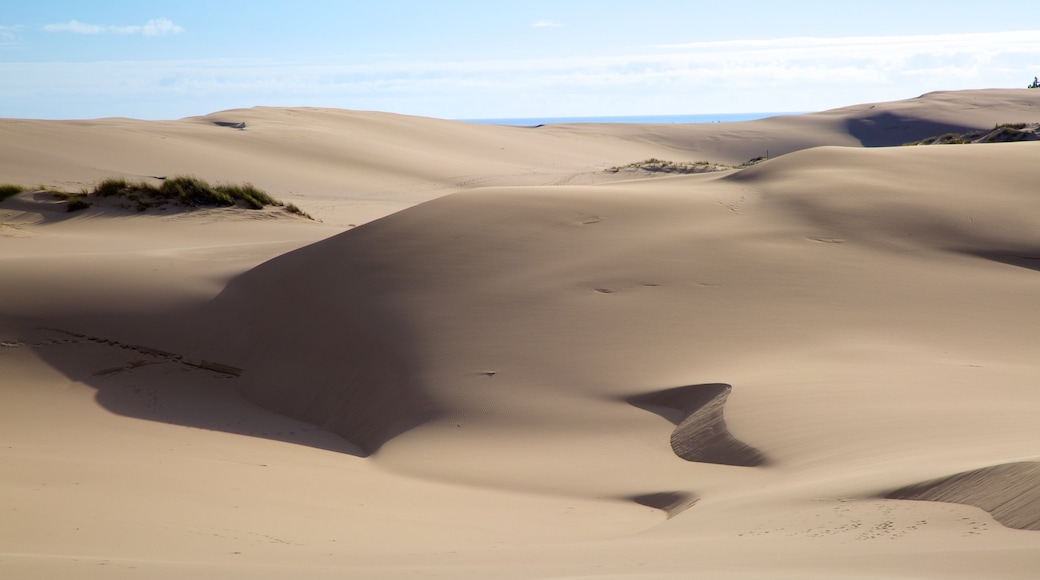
(9, 189)
(186, 191)
(183, 191)
(654, 165)
(1001, 133)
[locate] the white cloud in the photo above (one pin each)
(160, 27)
(75, 26)
(547, 24)
(7, 32)
(154, 27)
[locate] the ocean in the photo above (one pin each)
(715, 118)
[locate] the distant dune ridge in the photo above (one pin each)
(489, 355)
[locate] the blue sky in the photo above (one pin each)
(481, 59)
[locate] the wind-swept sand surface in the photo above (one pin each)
(538, 368)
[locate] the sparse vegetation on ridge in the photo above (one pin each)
(1002, 133)
(184, 191)
(655, 165)
(190, 192)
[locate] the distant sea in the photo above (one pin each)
(717, 118)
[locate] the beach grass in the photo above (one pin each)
(182, 190)
(10, 189)
(655, 165)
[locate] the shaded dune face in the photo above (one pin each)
(672, 503)
(326, 354)
(885, 129)
(1010, 492)
(700, 433)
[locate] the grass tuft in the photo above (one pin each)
(293, 208)
(193, 192)
(76, 203)
(247, 193)
(10, 189)
(110, 187)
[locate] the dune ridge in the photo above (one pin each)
(349, 167)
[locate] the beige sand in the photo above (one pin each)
(546, 370)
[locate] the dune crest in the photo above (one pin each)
(1010, 492)
(700, 433)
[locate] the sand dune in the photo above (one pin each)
(1009, 492)
(488, 380)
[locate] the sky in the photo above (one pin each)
(459, 59)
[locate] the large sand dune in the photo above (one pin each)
(536, 368)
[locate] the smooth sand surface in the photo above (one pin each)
(528, 366)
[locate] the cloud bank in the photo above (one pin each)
(755, 75)
(154, 27)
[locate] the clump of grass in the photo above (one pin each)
(193, 192)
(76, 203)
(110, 187)
(247, 193)
(293, 208)
(10, 189)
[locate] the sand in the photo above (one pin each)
(491, 356)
